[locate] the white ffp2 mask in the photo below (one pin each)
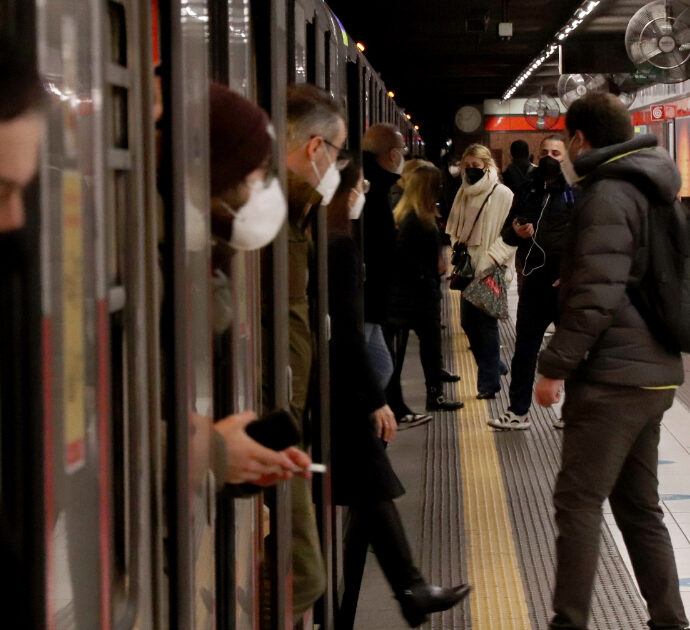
(259, 220)
(356, 208)
(329, 182)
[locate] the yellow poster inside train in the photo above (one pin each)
(73, 319)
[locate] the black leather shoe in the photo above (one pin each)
(422, 599)
(486, 395)
(447, 377)
(436, 401)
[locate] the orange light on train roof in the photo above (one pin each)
(361, 46)
(391, 94)
(416, 127)
(408, 117)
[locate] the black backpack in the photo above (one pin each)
(660, 283)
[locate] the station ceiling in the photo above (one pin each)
(427, 53)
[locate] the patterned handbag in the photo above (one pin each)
(489, 292)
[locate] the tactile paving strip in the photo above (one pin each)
(529, 462)
(441, 538)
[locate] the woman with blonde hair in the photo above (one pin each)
(416, 295)
(398, 188)
(476, 219)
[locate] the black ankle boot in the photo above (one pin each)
(447, 377)
(422, 599)
(436, 401)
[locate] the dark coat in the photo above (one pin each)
(602, 337)
(360, 467)
(517, 174)
(416, 291)
(379, 240)
(552, 233)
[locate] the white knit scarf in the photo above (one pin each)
(466, 206)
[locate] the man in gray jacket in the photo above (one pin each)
(619, 379)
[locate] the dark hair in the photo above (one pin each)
(21, 89)
(555, 137)
(519, 149)
(602, 118)
(311, 111)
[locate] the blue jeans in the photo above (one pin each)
(377, 351)
(482, 331)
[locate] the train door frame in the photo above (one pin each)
(239, 536)
(191, 486)
(270, 23)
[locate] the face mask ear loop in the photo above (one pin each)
(534, 241)
(231, 210)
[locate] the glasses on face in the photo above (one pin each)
(343, 158)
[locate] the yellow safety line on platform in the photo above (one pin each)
(498, 596)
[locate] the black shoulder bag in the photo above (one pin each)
(461, 260)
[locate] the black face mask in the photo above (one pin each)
(473, 175)
(549, 168)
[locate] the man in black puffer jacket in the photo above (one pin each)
(619, 380)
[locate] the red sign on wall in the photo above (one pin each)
(663, 112)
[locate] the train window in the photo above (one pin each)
(239, 47)
(327, 60)
(118, 33)
(120, 126)
(300, 44)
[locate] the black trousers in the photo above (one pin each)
(377, 524)
(624, 423)
(428, 329)
(537, 308)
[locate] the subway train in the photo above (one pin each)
(110, 360)
(107, 484)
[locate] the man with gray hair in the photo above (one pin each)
(316, 135)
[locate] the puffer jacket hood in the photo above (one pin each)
(639, 160)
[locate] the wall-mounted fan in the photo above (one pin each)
(619, 85)
(573, 86)
(541, 111)
(658, 41)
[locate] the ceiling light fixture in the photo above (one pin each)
(361, 46)
(578, 17)
(391, 94)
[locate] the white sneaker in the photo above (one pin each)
(510, 421)
(559, 424)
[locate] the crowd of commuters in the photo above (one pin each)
(577, 258)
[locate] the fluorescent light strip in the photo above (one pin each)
(578, 17)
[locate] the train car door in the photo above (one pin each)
(98, 309)
(186, 328)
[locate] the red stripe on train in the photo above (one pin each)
(103, 464)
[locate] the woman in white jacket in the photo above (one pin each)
(481, 187)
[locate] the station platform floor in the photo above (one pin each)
(478, 506)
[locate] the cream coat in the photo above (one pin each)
(492, 247)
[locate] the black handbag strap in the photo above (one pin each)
(474, 225)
